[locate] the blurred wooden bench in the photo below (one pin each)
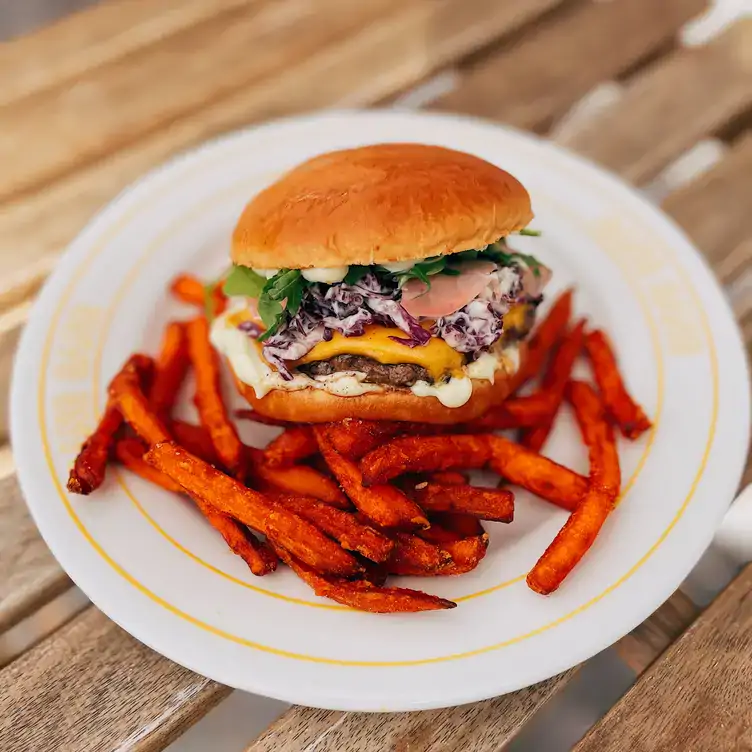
(88, 104)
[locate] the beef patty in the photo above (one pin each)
(399, 374)
(406, 374)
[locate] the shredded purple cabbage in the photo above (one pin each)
(473, 328)
(349, 308)
(343, 308)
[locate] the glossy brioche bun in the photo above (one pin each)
(319, 406)
(378, 204)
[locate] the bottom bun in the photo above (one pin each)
(320, 406)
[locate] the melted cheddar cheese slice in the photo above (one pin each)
(515, 317)
(436, 357)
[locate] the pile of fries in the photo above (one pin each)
(346, 505)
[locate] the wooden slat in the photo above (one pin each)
(120, 103)
(29, 574)
(21, 285)
(92, 687)
(671, 105)
(11, 324)
(482, 726)
(369, 64)
(94, 37)
(697, 696)
(130, 97)
(729, 270)
(717, 209)
(529, 83)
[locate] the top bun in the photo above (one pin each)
(378, 204)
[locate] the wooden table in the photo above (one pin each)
(88, 104)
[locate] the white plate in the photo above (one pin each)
(148, 560)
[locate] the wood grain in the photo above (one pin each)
(92, 687)
(536, 79)
(369, 64)
(696, 697)
(124, 100)
(716, 209)
(17, 287)
(11, 325)
(479, 727)
(731, 269)
(29, 574)
(671, 105)
(94, 37)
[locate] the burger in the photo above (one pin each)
(377, 282)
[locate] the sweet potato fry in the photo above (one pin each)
(545, 336)
(291, 446)
(354, 437)
(208, 399)
(130, 453)
(466, 554)
(466, 545)
(127, 395)
(246, 414)
(201, 480)
(364, 596)
(413, 555)
(344, 527)
(260, 557)
(89, 467)
(571, 543)
(385, 505)
(624, 411)
(597, 435)
(171, 368)
(298, 480)
(188, 289)
(517, 412)
(496, 504)
(540, 475)
(423, 454)
(191, 290)
(554, 382)
(195, 439)
(585, 522)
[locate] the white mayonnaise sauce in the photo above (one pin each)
(452, 393)
(248, 365)
(329, 275)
